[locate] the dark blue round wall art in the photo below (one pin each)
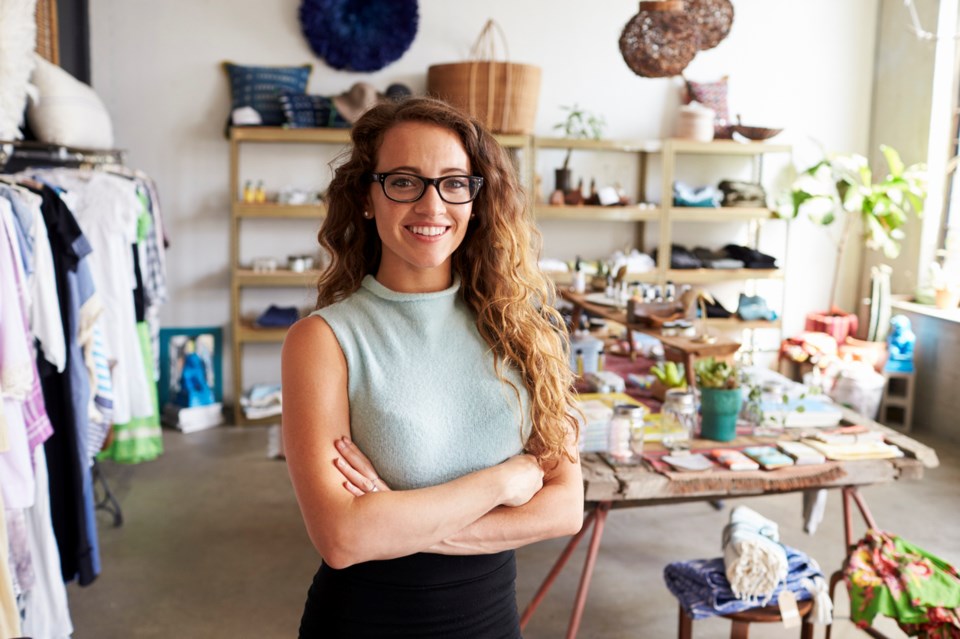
(359, 35)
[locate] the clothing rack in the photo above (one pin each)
(16, 155)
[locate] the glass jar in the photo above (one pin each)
(678, 417)
(626, 428)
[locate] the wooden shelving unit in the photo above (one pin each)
(243, 331)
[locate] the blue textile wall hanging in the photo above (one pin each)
(359, 35)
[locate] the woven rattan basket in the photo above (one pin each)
(502, 95)
(47, 32)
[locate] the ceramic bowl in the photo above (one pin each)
(755, 133)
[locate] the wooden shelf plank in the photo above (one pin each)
(627, 146)
(248, 333)
(281, 134)
(596, 213)
(735, 323)
(712, 275)
(278, 278)
(513, 140)
(565, 278)
(720, 214)
(275, 210)
(725, 147)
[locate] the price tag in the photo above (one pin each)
(788, 609)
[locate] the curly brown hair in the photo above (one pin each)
(497, 262)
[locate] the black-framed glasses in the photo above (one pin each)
(407, 187)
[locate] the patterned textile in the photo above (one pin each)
(889, 576)
(101, 409)
(713, 95)
(38, 425)
(311, 111)
(261, 87)
(702, 588)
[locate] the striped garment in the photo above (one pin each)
(101, 409)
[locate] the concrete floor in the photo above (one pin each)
(213, 546)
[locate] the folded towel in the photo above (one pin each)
(702, 588)
(754, 558)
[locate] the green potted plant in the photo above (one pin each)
(841, 187)
(669, 375)
(720, 398)
(579, 124)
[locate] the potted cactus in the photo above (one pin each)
(720, 398)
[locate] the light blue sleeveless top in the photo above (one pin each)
(426, 405)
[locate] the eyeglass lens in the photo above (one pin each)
(455, 189)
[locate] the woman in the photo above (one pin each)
(426, 403)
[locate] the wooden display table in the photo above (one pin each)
(685, 350)
(608, 486)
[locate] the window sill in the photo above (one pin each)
(948, 315)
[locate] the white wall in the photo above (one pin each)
(806, 66)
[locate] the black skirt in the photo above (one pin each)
(422, 595)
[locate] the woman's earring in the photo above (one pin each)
(366, 214)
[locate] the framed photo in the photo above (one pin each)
(175, 345)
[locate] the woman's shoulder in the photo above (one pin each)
(310, 334)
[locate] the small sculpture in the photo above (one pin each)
(900, 343)
(194, 389)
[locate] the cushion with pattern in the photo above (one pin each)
(261, 88)
(714, 96)
(310, 111)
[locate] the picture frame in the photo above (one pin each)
(207, 342)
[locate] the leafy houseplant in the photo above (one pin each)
(579, 124)
(842, 186)
(720, 398)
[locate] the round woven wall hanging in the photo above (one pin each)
(359, 35)
(712, 18)
(660, 41)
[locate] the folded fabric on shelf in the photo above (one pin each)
(680, 257)
(749, 194)
(703, 197)
(752, 258)
(277, 317)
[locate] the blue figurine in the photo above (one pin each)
(900, 343)
(194, 389)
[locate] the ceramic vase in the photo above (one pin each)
(719, 408)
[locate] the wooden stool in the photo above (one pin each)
(896, 407)
(740, 628)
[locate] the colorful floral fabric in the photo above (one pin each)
(889, 576)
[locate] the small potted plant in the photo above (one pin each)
(720, 398)
(669, 375)
(579, 124)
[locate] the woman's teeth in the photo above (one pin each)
(429, 231)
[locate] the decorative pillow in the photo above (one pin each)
(18, 35)
(714, 96)
(261, 87)
(66, 111)
(309, 111)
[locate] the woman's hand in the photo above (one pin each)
(361, 477)
(524, 479)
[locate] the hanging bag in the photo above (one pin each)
(501, 94)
